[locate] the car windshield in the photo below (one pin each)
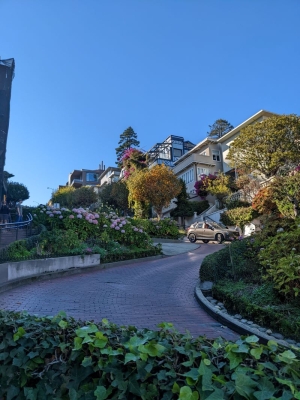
(216, 225)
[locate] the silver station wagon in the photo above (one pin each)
(210, 230)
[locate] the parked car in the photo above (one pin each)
(210, 231)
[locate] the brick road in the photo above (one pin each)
(142, 294)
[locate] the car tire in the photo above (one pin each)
(205, 240)
(192, 238)
(219, 238)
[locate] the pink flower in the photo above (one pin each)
(122, 231)
(95, 222)
(60, 216)
(117, 228)
(96, 215)
(79, 216)
(51, 215)
(135, 230)
(71, 216)
(141, 230)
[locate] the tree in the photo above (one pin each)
(16, 191)
(128, 139)
(115, 195)
(249, 185)
(183, 205)
(70, 197)
(267, 146)
(133, 160)
(84, 196)
(157, 186)
(219, 187)
(286, 192)
(219, 128)
(64, 196)
(264, 202)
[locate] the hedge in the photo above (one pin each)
(279, 318)
(59, 358)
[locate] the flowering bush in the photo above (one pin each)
(86, 225)
(201, 186)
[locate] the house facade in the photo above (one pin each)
(168, 151)
(85, 177)
(110, 175)
(209, 157)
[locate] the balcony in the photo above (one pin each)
(200, 159)
(77, 183)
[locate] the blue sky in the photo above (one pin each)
(88, 69)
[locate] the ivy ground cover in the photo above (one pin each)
(60, 358)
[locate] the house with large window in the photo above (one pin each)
(85, 177)
(168, 151)
(225, 141)
(209, 157)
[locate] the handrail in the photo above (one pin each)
(16, 225)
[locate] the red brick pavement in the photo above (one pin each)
(142, 294)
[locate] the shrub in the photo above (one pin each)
(215, 266)
(280, 245)
(164, 228)
(238, 216)
(260, 304)
(56, 357)
(230, 204)
(236, 261)
(199, 206)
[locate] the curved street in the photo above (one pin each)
(142, 294)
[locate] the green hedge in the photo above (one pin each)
(131, 254)
(215, 266)
(239, 297)
(236, 261)
(59, 358)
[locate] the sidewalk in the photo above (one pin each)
(173, 247)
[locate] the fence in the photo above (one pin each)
(12, 231)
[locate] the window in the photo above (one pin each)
(188, 176)
(203, 153)
(216, 155)
(91, 177)
(202, 171)
(177, 152)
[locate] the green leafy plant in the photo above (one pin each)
(238, 216)
(285, 274)
(57, 357)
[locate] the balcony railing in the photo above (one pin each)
(194, 159)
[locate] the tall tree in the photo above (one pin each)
(128, 139)
(157, 186)
(133, 160)
(267, 146)
(219, 128)
(183, 205)
(16, 191)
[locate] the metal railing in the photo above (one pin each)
(12, 231)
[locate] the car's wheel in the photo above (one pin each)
(219, 238)
(205, 240)
(192, 238)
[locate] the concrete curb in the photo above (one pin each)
(234, 324)
(5, 286)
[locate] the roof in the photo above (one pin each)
(248, 121)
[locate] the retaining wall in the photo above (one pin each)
(16, 270)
